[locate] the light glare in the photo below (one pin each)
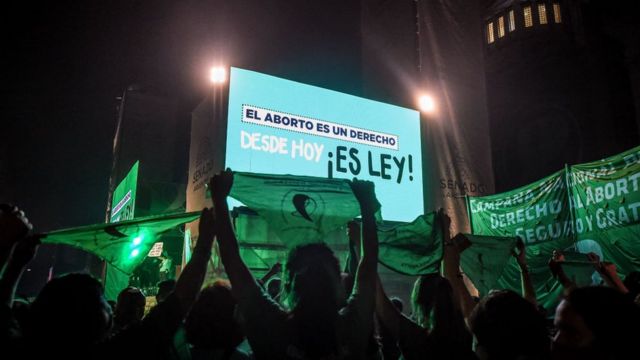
(218, 75)
(426, 104)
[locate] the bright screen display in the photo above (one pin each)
(277, 126)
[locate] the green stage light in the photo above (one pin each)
(135, 252)
(137, 240)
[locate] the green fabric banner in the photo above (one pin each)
(606, 206)
(299, 209)
(539, 214)
(124, 244)
(598, 212)
(485, 260)
(488, 259)
(414, 248)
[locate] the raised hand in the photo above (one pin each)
(609, 268)
(220, 184)
(460, 242)
(364, 192)
(555, 263)
(520, 254)
(14, 225)
(594, 259)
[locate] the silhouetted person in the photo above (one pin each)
(507, 326)
(166, 269)
(596, 323)
(165, 288)
(389, 344)
(129, 308)
(69, 316)
(314, 326)
(211, 326)
(436, 330)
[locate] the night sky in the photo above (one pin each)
(68, 65)
(69, 61)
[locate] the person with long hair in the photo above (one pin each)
(315, 322)
(437, 329)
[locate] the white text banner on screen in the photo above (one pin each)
(316, 127)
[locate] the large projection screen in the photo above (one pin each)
(277, 126)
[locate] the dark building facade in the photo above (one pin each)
(559, 89)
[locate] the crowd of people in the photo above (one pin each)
(309, 308)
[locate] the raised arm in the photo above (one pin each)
(451, 260)
(238, 273)
(392, 319)
(528, 292)
(555, 265)
(367, 268)
(353, 232)
(190, 281)
(15, 231)
(609, 273)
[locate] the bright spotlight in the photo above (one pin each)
(426, 104)
(218, 75)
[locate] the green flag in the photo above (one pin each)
(299, 209)
(414, 248)
(124, 244)
(539, 213)
(605, 196)
(578, 268)
(485, 260)
(488, 264)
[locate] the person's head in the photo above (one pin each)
(70, 311)
(434, 307)
(129, 307)
(313, 291)
(595, 322)
(428, 292)
(165, 288)
(312, 276)
(211, 323)
(507, 326)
